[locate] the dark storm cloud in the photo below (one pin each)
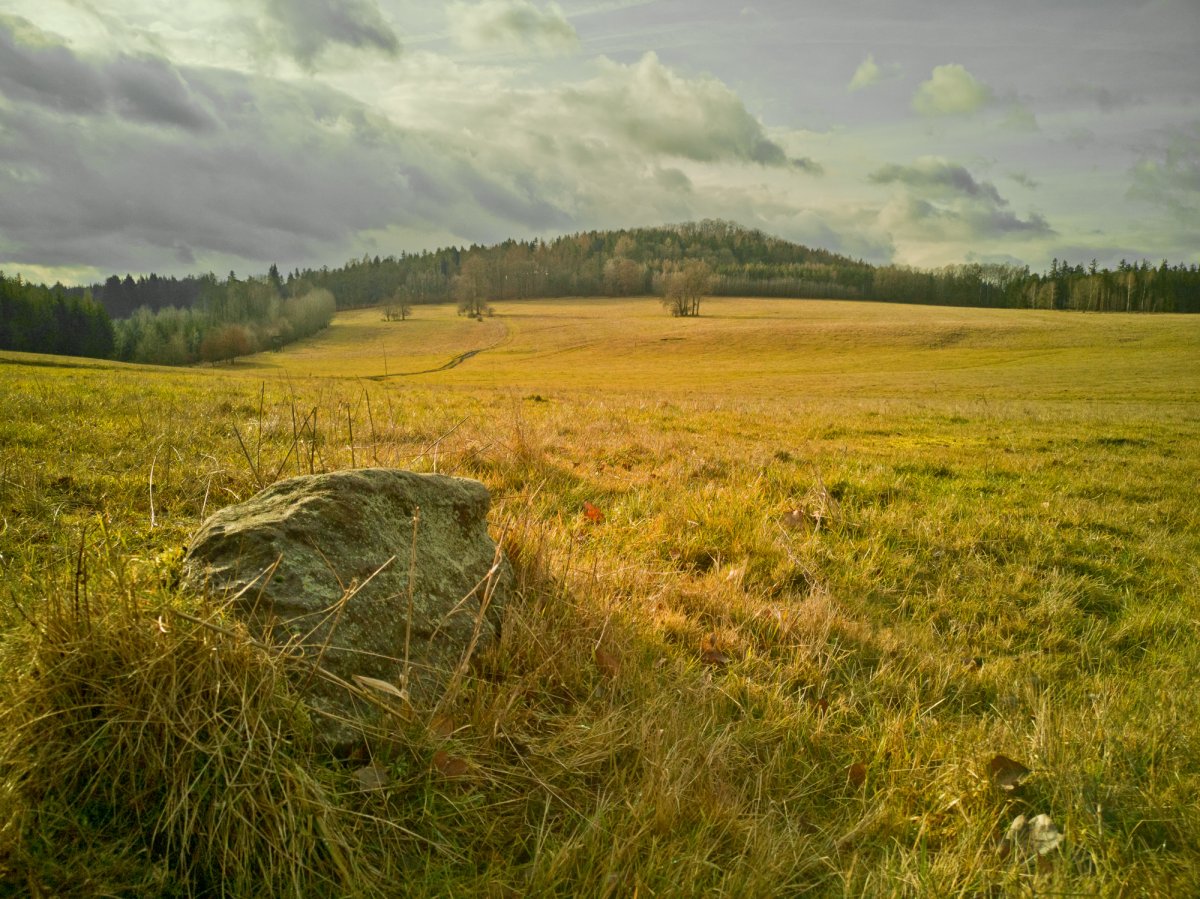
(517, 202)
(286, 171)
(913, 217)
(49, 75)
(940, 200)
(1169, 176)
(152, 91)
(939, 177)
(143, 88)
(306, 28)
(103, 195)
(673, 180)
(768, 153)
(1000, 221)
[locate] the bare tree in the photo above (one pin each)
(472, 285)
(398, 307)
(684, 286)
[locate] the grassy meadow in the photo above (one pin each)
(842, 561)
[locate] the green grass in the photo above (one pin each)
(850, 553)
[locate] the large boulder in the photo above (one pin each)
(323, 563)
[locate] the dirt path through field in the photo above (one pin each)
(454, 362)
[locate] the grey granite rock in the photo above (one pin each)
(293, 553)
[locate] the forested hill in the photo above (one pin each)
(599, 263)
(593, 263)
(742, 262)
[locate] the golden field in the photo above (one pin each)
(850, 554)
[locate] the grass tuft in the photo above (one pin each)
(145, 753)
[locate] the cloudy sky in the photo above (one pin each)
(193, 135)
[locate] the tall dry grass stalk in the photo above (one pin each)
(172, 740)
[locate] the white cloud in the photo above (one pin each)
(516, 26)
(867, 74)
(638, 114)
(638, 143)
(951, 90)
(651, 107)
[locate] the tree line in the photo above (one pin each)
(205, 318)
(124, 296)
(640, 261)
(225, 319)
(230, 318)
(1131, 287)
(39, 319)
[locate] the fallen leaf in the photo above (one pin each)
(711, 652)
(797, 518)
(442, 727)
(371, 777)
(857, 775)
(450, 765)
(592, 514)
(609, 664)
(1006, 773)
(714, 657)
(1034, 836)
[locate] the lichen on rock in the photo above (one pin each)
(322, 563)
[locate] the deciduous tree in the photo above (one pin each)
(684, 286)
(472, 286)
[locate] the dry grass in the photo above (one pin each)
(743, 348)
(173, 741)
(843, 563)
